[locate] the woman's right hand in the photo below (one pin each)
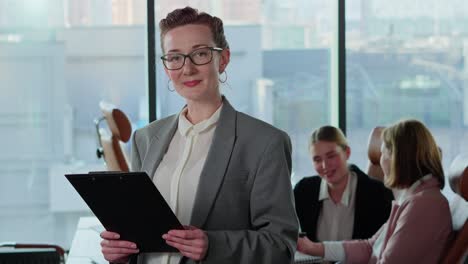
(116, 250)
(308, 247)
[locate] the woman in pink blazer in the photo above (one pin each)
(419, 225)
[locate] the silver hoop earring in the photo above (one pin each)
(169, 86)
(225, 77)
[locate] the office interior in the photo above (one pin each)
(296, 64)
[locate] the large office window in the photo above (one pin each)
(280, 68)
(407, 59)
(58, 59)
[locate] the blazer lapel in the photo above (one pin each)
(158, 145)
(215, 165)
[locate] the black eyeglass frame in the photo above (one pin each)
(211, 49)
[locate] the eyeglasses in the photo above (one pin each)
(201, 56)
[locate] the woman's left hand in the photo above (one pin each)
(192, 242)
(306, 246)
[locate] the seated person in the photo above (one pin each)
(342, 202)
(419, 225)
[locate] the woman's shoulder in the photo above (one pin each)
(428, 208)
(369, 187)
(429, 195)
(250, 124)
(152, 128)
(250, 128)
(363, 178)
(309, 182)
(307, 189)
(163, 121)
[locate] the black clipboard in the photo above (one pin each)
(130, 204)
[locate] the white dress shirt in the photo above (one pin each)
(336, 220)
(178, 174)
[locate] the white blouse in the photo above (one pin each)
(178, 174)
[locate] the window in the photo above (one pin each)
(58, 59)
(280, 70)
(407, 59)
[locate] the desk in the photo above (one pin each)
(85, 247)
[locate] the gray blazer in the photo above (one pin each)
(244, 200)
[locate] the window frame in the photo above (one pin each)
(338, 77)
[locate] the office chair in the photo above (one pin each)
(458, 180)
(373, 152)
(15, 253)
(111, 147)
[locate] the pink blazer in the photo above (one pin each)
(418, 230)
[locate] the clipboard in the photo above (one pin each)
(130, 204)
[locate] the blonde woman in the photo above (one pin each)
(342, 202)
(419, 225)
